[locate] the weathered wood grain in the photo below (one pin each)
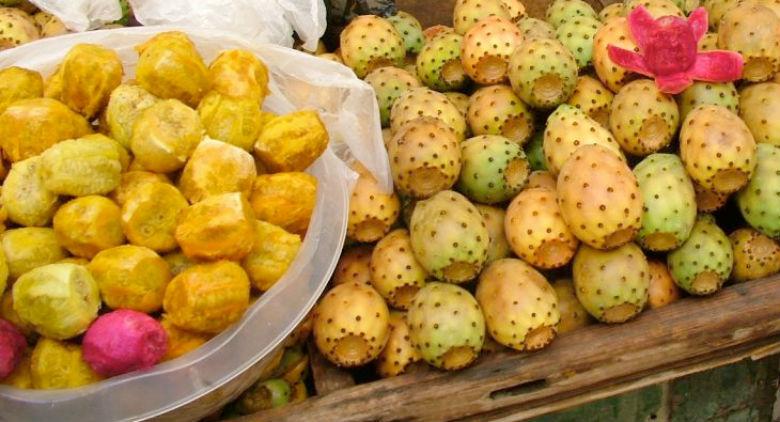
(327, 376)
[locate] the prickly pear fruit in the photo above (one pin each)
(407, 208)
(487, 48)
(642, 118)
(562, 11)
(354, 266)
(515, 8)
(389, 83)
(759, 201)
(670, 202)
(541, 179)
(351, 324)
(439, 66)
(18, 28)
(446, 326)
(435, 30)
(708, 42)
(612, 285)
(755, 255)
(497, 110)
(424, 157)
(656, 8)
(423, 102)
(709, 201)
(759, 107)
(593, 98)
(600, 198)
(543, 73)
(568, 129)
(615, 32)
(662, 290)
(395, 272)
(717, 8)
(449, 237)
(410, 30)
(533, 28)
(494, 169)
(701, 93)
(494, 221)
(399, 352)
(332, 57)
(717, 148)
(753, 31)
(369, 42)
(612, 11)
(534, 151)
(520, 306)
(460, 100)
(703, 263)
(573, 314)
(372, 212)
(577, 35)
(467, 13)
(536, 231)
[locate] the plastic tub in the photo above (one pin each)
(198, 383)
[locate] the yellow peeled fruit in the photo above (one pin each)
(29, 127)
(292, 142)
(131, 181)
(218, 227)
(88, 225)
(164, 136)
(85, 78)
(124, 106)
(207, 298)
(149, 216)
(238, 73)
(58, 365)
(216, 168)
(21, 377)
(285, 199)
(178, 262)
(8, 313)
(80, 167)
(181, 342)
(29, 248)
(235, 120)
(17, 84)
(24, 197)
(273, 251)
(131, 277)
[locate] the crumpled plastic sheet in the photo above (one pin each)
(82, 15)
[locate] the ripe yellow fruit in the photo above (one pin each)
(17, 84)
(216, 168)
(57, 365)
(238, 73)
(164, 136)
(219, 227)
(30, 247)
(149, 216)
(235, 120)
(84, 166)
(24, 198)
(124, 106)
(273, 251)
(181, 342)
(292, 142)
(132, 180)
(88, 225)
(285, 199)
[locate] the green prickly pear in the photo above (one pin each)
(410, 30)
(497, 110)
(369, 42)
(487, 48)
(494, 169)
(494, 222)
(446, 326)
(543, 73)
(716, 9)
(424, 102)
(700, 93)
(577, 35)
(449, 237)
(759, 107)
(703, 263)
(755, 255)
(533, 28)
(759, 201)
(389, 83)
(534, 151)
(561, 11)
(467, 13)
(642, 118)
(395, 272)
(439, 66)
(520, 306)
(612, 285)
(708, 42)
(460, 100)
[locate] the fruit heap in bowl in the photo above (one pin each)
(142, 217)
(543, 180)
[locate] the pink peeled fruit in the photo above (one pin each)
(123, 341)
(668, 52)
(12, 345)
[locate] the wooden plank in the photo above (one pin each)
(327, 377)
(601, 357)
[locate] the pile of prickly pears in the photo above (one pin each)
(539, 186)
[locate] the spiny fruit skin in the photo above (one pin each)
(593, 98)
(669, 202)
(494, 169)
(662, 291)
(614, 32)
(656, 8)
(717, 148)
(410, 30)
(520, 306)
(703, 263)
(600, 198)
(573, 314)
(533, 28)
(753, 31)
(568, 129)
(701, 93)
(642, 118)
(515, 8)
(460, 100)
(494, 221)
(18, 28)
(449, 237)
(562, 11)
(534, 151)
(389, 83)
(395, 272)
(439, 66)
(423, 102)
(577, 35)
(372, 212)
(432, 32)
(351, 324)
(759, 107)
(487, 48)
(399, 352)
(755, 255)
(497, 110)
(536, 230)
(708, 42)
(446, 326)
(424, 157)
(612, 285)
(717, 8)
(354, 265)
(467, 13)
(759, 201)
(543, 73)
(612, 11)
(541, 179)
(709, 201)
(369, 42)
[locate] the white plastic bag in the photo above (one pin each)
(82, 15)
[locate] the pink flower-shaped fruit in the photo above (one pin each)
(668, 51)
(12, 345)
(123, 341)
